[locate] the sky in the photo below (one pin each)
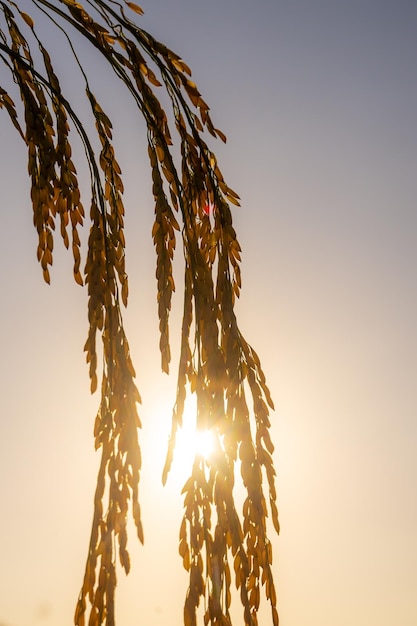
(318, 100)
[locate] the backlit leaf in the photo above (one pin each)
(135, 7)
(27, 19)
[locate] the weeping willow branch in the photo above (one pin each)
(216, 362)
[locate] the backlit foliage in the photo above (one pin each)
(221, 547)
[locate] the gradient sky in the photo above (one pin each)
(318, 99)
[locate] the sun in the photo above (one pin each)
(191, 442)
(203, 443)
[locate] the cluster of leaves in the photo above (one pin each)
(216, 362)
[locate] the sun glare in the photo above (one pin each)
(191, 442)
(204, 442)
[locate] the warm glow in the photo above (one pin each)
(191, 442)
(204, 442)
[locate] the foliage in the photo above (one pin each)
(216, 362)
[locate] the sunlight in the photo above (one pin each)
(203, 442)
(191, 442)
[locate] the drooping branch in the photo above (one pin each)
(216, 362)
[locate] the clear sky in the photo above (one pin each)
(318, 99)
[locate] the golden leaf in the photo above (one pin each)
(93, 384)
(221, 135)
(186, 561)
(232, 198)
(180, 65)
(135, 7)
(275, 516)
(27, 19)
(153, 79)
(125, 560)
(78, 278)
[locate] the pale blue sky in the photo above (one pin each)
(319, 103)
